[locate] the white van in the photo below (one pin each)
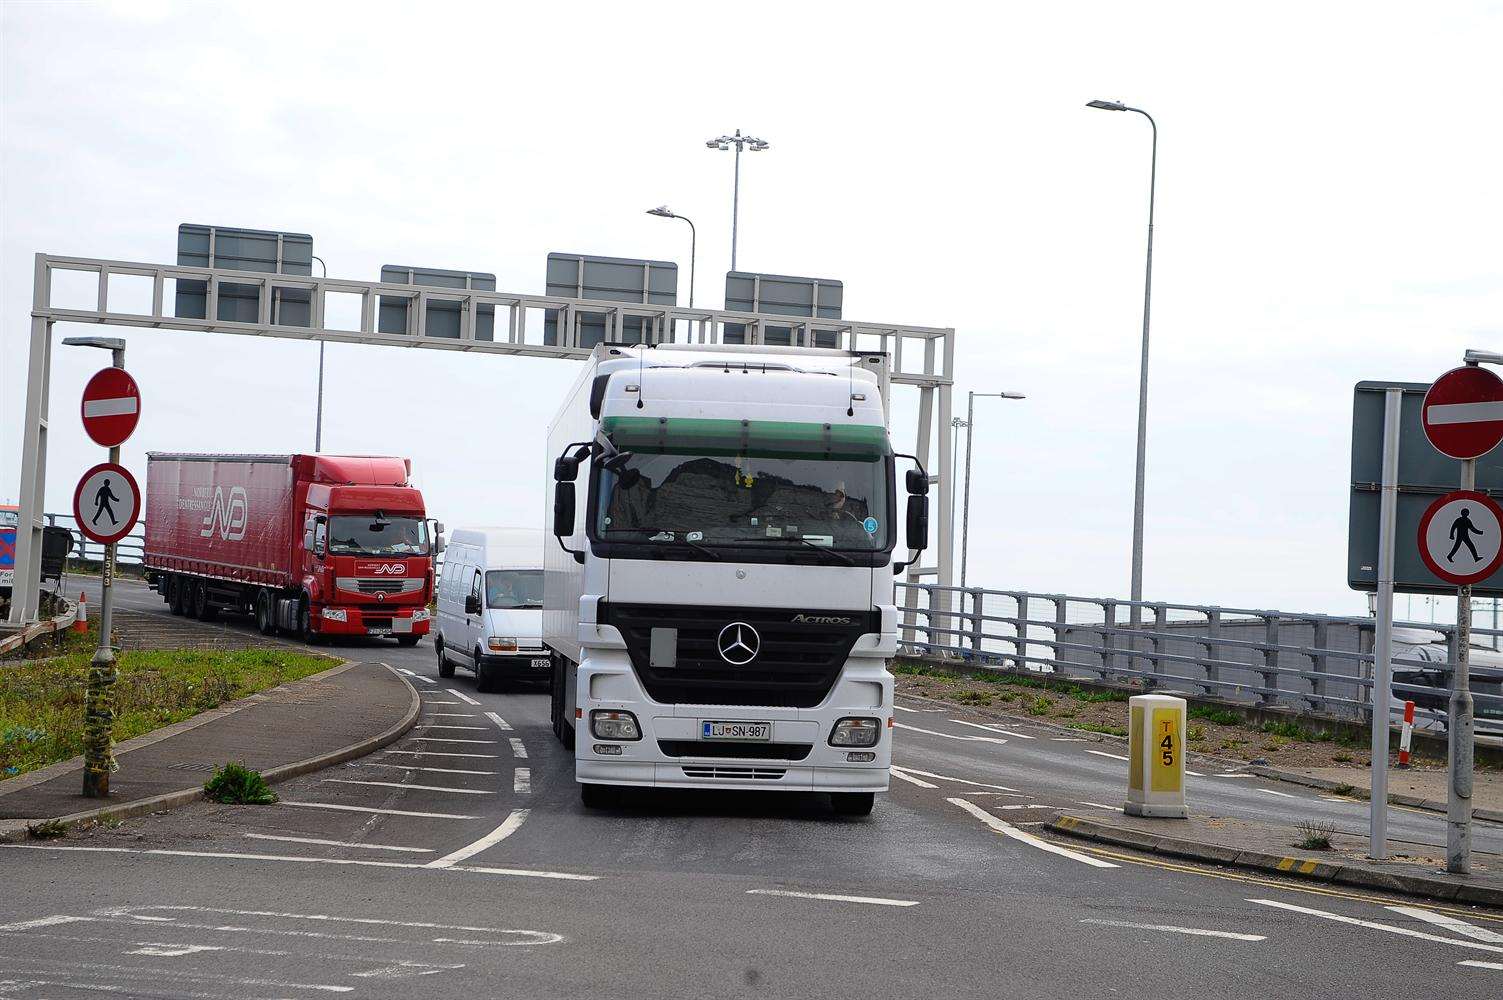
(490, 606)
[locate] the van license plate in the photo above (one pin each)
(540, 663)
(735, 731)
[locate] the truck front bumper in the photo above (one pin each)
(336, 620)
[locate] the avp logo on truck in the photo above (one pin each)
(228, 516)
(390, 569)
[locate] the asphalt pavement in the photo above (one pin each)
(459, 862)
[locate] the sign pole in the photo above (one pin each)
(99, 709)
(1382, 688)
(1460, 725)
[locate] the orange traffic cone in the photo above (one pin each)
(81, 622)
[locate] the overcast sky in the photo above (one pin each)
(1328, 211)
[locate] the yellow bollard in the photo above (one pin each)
(1156, 756)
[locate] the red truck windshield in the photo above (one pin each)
(368, 535)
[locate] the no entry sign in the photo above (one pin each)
(111, 406)
(107, 503)
(1461, 537)
(1463, 412)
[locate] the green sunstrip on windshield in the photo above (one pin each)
(769, 438)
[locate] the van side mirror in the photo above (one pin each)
(563, 507)
(471, 604)
(918, 483)
(918, 523)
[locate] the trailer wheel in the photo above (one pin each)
(445, 668)
(202, 609)
(172, 588)
(265, 623)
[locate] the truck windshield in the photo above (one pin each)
(514, 588)
(730, 482)
(370, 535)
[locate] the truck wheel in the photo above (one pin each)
(202, 609)
(853, 803)
(408, 640)
(305, 625)
(265, 623)
(556, 696)
(445, 668)
(599, 796)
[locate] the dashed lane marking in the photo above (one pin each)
(407, 787)
(438, 702)
(521, 781)
(1282, 795)
(1342, 918)
(517, 749)
(1103, 753)
(450, 739)
(1068, 739)
(474, 729)
(992, 729)
(1101, 805)
(952, 736)
(1234, 775)
(417, 676)
(962, 781)
(462, 696)
(833, 897)
(500, 833)
(451, 715)
(444, 753)
(369, 809)
(901, 776)
(1008, 830)
(339, 843)
(132, 914)
(52, 921)
(1451, 924)
(501, 723)
(1197, 931)
(1472, 963)
(434, 770)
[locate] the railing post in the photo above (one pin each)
(1155, 645)
(1269, 694)
(1320, 663)
(1020, 644)
(1061, 623)
(1108, 640)
(977, 609)
(1213, 651)
(1366, 643)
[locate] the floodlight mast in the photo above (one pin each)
(724, 143)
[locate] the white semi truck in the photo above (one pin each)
(719, 604)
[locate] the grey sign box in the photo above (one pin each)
(609, 279)
(1424, 474)
(782, 295)
(235, 249)
(662, 650)
(444, 317)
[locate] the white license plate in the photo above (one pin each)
(541, 663)
(378, 631)
(735, 730)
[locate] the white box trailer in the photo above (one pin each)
(718, 597)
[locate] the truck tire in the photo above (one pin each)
(853, 803)
(266, 624)
(180, 589)
(408, 641)
(556, 695)
(445, 668)
(305, 625)
(599, 796)
(202, 609)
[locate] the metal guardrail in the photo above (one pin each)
(130, 550)
(1305, 662)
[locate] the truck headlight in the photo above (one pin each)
(502, 644)
(608, 725)
(855, 733)
(421, 615)
(336, 614)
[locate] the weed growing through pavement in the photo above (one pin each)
(1317, 834)
(237, 785)
(49, 829)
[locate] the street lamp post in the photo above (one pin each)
(663, 212)
(955, 425)
(318, 425)
(99, 710)
(1137, 509)
(970, 420)
(726, 142)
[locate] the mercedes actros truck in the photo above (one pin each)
(718, 591)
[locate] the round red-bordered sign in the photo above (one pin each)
(111, 406)
(1463, 412)
(1461, 537)
(107, 503)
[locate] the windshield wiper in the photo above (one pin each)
(828, 551)
(664, 531)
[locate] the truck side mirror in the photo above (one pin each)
(918, 483)
(565, 470)
(918, 523)
(563, 507)
(471, 604)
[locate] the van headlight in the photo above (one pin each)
(610, 725)
(855, 733)
(502, 644)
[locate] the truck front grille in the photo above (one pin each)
(742, 751)
(796, 665)
(734, 773)
(379, 584)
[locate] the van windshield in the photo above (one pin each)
(514, 588)
(372, 535)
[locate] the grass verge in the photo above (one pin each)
(42, 702)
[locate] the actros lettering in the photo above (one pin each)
(228, 516)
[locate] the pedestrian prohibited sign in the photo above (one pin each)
(107, 503)
(111, 406)
(1461, 537)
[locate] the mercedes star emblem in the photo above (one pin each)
(738, 644)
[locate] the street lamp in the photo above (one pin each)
(726, 142)
(318, 425)
(970, 420)
(1137, 507)
(662, 212)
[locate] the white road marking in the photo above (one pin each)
(992, 729)
(435, 725)
(1103, 753)
(517, 749)
(404, 970)
(450, 739)
(903, 708)
(1474, 964)
(962, 781)
(409, 673)
(451, 715)
(417, 676)
(1282, 795)
(368, 809)
(1194, 774)
(339, 843)
(1068, 739)
(952, 736)
(1374, 925)
(462, 696)
(526, 873)
(525, 936)
(921, 711)
(1035, 805)
(441, 753)
(521, 781)
(1336, 798)
(1008, 830)
(435, 770)
(1451, 924)
(426, 680)
(501, 723)
(52, 921)
(1197, 931)
(1100, 805)
(161, 950)
(897, 773)
(833, 897)
(406, 787)
(500, 833)
(1234, 775)
(438, 702)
